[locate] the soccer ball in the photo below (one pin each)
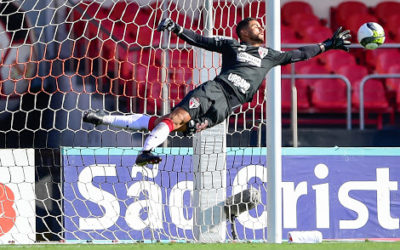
(371, 35)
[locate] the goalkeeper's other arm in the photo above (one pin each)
(191, 37)
(168, 24)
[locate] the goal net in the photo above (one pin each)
(64, 180)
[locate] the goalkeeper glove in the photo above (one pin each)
(338, 40)
(168, 24)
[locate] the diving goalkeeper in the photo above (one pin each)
(244, 66)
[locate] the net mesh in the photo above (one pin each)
(60, 58)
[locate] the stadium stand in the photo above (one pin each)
(385, 59)
(332, 59)
(375, 101)
(354, 72)
(340, 14)
(304, 27)
(316, 33)
(329, 95)
(391, 26)
(374, 95)
(311, 68)
(301, 21)
(288, 35)
(302, 93)
(386, 9)
(302, 97)
(290, 9)
(393, 84)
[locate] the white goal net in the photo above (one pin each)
(64, 180)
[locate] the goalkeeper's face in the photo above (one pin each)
(255, 32)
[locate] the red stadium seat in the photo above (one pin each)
(329, 95)
(344, 10)
(309, 68)
(334, 58)
(393, 84)
(375, 100)
(302, 96)
(301, 21)
(355, 73)
(316, 34)
(286, 69)
(386, 59)
(396, 36)
(383, 10)
(391, 26)
(290, 9)
(370, 57)
(398, 100)
(288, 35)
(374, 95)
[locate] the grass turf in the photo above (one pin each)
(230, 246)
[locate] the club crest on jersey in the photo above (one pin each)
(262, 52)
(194, 103)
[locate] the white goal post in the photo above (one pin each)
(274, 128)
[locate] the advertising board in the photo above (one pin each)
(17, 196)
(345, 193)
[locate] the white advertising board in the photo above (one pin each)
(17, 196)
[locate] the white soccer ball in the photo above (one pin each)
(371, 35)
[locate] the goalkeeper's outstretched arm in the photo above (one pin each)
(192, 38)
(339, 40)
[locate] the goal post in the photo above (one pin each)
(274, 128)
(209, 159)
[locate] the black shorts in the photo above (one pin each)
(207, 102)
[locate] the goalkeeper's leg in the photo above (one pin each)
(177, 120)
(133, 122)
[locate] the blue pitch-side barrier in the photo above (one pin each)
(345, 193)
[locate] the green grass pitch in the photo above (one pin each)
(226, 246)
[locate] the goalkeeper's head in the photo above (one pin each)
(250, 31)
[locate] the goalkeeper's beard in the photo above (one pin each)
(257, 38)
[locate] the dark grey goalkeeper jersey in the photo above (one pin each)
(244, 66)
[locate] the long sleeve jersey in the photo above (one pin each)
(244, 66)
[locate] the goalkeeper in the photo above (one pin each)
(244, 66)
